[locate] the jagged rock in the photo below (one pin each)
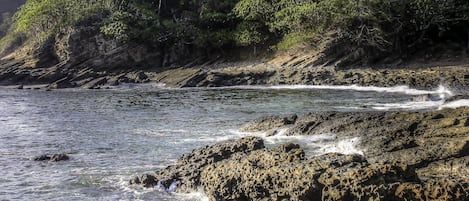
(244, 170)
(59, 157)
(267, 123)
(416, 138)
(457, 97)
(62, 83)
(138, 77)
(53, 157)
(95, 83)
(189, 166)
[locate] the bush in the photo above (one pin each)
(40, 18)
(376, 26)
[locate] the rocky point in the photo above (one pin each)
(408, 156)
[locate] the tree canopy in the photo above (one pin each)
(374, 25)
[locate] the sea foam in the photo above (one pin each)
(312, 144)
(455, 104)
(396, 89)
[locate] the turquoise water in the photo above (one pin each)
(115, 134)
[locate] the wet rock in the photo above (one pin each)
(52, 157)
(59, 157)
(42, 158)
(188, 168)
(137, 77)
(409, 156)
(412, 137)
(270, 122)
(457, 97)
(278, 173)
(62, 83)
(283, 173)
(95, 83)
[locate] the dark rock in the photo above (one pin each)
(271, 132)
(53, 157)
(62, 83)
(267, 123)
(438, 116)
(457, 97)
(135, 180)
(94, 84)
(137, 77)
(410, 156)
(43, 157)
(412, 137)
(59, 157)
(188, 167)
(148, 180)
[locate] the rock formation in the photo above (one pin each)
(408, 156)
(52, 157)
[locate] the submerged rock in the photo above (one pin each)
(52, 157)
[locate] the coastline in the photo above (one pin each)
(407, 156)
(277, 71)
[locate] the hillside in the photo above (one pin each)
(65, 40)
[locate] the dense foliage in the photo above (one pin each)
(40, 18)
(380, 26)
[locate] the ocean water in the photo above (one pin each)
(114, 134)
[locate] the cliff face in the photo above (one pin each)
(81, 54)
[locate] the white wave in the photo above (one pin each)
(455, 104)
(198, 195)
(161, 132)
(344, 146)
(354, 108)
(239, 133)
(397, 89)
(312, 144)
(319, 144)
(410, 105)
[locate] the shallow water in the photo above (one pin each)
(112, 135)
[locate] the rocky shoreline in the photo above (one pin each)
(407, 156)
(286, 70)
(81, 56)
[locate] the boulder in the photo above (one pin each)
(62, 83)
(417, 156)
(95, 83)
(52, 157)
(283, 173)
(270, 122)
(188, 168)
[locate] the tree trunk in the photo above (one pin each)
(159, 12)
